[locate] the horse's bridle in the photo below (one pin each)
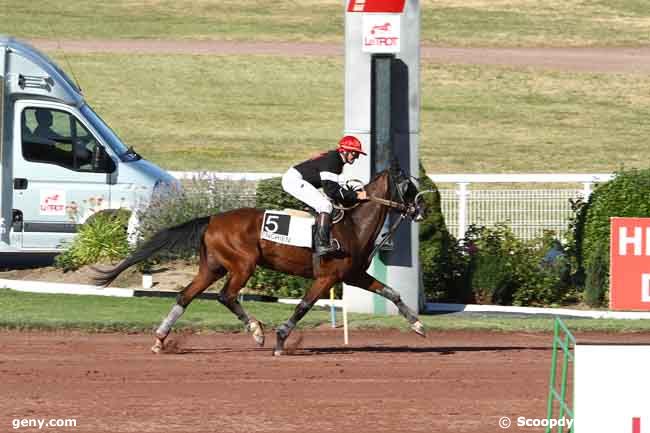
(414, 210)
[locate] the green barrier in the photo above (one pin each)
(565, 341)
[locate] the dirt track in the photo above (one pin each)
(384, 382)
(621, 60)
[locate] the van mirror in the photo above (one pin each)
(102, 162)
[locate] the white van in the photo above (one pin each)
(60, 162)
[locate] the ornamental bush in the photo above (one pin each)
(506, 270)
(442, 259)
(627, 195)
(101, 239)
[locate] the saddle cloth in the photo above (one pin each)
(288, 227)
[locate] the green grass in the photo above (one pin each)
(444, 22)
(20, 310)
(260, 113)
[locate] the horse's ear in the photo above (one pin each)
(394, 165)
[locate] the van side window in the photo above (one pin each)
(57, 137)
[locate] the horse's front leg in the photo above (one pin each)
(282, 333)
(369, 283)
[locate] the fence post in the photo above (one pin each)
(586, 190)
(462, 208)
(565, 344)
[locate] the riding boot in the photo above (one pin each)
(323, 244)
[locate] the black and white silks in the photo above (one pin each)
(303, 181)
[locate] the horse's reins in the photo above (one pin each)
(388, 203)
(393, 228)
(403, 208)
(388, 236)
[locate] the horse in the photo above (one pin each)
(230, 243)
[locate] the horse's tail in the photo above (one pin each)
(185, 235)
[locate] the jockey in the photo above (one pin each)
(303, 180)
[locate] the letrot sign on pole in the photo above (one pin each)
(382, 109)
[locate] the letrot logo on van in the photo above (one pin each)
(52, 202)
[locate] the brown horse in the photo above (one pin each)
(230, 244)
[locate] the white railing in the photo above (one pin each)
(527, 211)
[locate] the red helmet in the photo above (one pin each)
(350, 143)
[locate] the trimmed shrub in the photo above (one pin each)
(270, 195)
(101, 239)
(442, 259)
(624, 196)
(506, 270)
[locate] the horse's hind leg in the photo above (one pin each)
(369, 283)
(282, 333)
(201, 281)
(228, 297)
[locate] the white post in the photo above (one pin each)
(586, 190)
(462, 209)
(346, 339)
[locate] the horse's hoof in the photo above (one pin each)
(259, 340)
(418, 328)
(157, 347)
(277, 352)
(258, 333)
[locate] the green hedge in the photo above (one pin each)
(503, 269)
(627, 195)
(442, 259)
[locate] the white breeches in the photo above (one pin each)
(294, 184)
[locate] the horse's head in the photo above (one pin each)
(401, 189)
(395, 186)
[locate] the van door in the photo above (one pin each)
(57, 183)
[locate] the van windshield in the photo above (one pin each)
(107, 133)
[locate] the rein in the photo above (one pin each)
(388, 203)
(387, 237)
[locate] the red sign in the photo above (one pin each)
(387, 6)
(629, 268)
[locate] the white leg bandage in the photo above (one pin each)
(293, 183)
(166, 325)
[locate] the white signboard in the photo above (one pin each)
(285, 229)
(381, 33)
(52, 202)
(611, 385)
